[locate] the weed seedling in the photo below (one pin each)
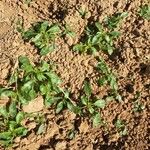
(114, 21)
(145, 12)
(107, 77)
(43, 36)
(97, 40)
(138, 106)
(119, 124)
(91, 105)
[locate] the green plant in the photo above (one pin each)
(10, 123)
(145, 12)
(91, 105)
(71, 133)
(41, 80)
(119, 124)
(97, 40)
(138, 107)
(114, 21)
(34, 80)
(26, 83)
(108, 77)
(43, 36)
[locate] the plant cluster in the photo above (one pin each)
(120, 125)
(98, 38)
(27, 83)
(91, 105)
(114, 21)
(108, 77)
(10, 123)
(43, 36)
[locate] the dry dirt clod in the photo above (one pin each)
(35, 105)
(84, 127)
(61, 145)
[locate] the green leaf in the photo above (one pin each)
(44, 26)
(124, 14)
(96, 120)
(119, 98)
(113, 22)
(40, 76)
(6, 143)
(43, 89)
(84, 100)
(95, 39)
(19, 117)
(70, 106)
(12, 125)
(99, 26)
(45, 66)
(107, 38)
(91, 110)
(13, 109)
(54, 78)
(145, 12)
(66, 94)
(87, 88)
(100, 103)
(13, 78)
(113, 82)
(102, 81)
(29, 34)
(59, 107)
(37, 38)
(49, 100)
(119, 124)
(79, 47)
(46, 49)
(3, 112)
(27, 86)
(32, 94)
(124, 132)
(93, 50)
(115, 34)
(25, 64)
(7, 93)
(41, 129)
(20, 131)
(24, 60)
(110, 50)
(5, 135)
(22, 99)
(71, 34)
(54, 29)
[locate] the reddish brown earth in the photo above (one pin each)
(131, 64)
